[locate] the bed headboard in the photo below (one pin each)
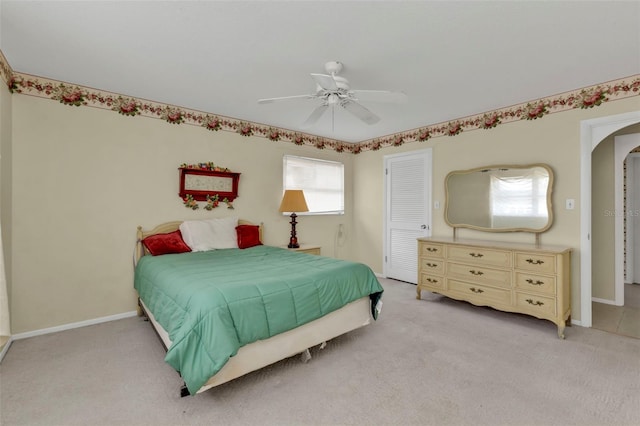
(165, 228)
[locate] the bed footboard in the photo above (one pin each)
(261, 353)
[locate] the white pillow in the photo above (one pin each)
(210, 234)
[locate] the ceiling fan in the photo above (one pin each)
(333, 90)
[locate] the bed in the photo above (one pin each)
(224, 312)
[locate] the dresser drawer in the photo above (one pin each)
(480, 275)
(545, 263)
(536, 305)
(429, 249)
(535, 283)
(479, 294)
(487, 257)
(433, 281)
(432, 266)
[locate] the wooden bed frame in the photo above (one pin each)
(261, 353)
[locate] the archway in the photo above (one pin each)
(592, 132)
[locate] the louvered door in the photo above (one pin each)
(408, 213)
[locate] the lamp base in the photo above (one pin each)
(293, 241)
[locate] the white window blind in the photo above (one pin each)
(322, 182)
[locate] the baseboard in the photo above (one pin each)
(395, 279)
(73, 325)
(5, 348)
(604, 301)
(576, 322)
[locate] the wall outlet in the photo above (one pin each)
(570, 204)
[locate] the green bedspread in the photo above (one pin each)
(212, 303)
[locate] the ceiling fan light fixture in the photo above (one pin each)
(333, 67)
(341, 82)
(334, 90)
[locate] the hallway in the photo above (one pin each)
(623, 320)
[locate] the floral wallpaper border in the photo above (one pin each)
(74, 95)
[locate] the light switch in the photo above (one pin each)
(570, 204)
(436, 204)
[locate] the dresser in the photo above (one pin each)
(527, 279)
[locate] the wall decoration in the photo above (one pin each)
(587, 97)
(207, 182)
(534, 111)
(172, 115)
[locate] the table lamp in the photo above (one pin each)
(293, 201)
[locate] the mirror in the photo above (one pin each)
(500, 198)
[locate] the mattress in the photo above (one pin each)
(215, 302)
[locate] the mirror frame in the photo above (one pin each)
(501, 166)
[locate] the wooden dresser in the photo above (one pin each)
(519, 278)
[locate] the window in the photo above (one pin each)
(322, 182)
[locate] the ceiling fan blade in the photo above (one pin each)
(361, 112)
(284, 98)
(315, 115)
(325, 81)
(379, 96)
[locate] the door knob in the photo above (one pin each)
(423, 227)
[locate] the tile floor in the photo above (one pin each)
(624, 320)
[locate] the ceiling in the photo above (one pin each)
(452, 59)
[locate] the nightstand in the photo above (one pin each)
(306, 248)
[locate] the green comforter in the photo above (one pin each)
(212, 303)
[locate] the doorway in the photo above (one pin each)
(615, 301)
(632, 208)
(592, 132)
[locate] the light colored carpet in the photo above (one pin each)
(429, 362)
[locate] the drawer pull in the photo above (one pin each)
(535, 262)
(476, 290)
(431, 265)
(472, 272)
(432, 249)
(536, 303)
(536, 282)
(476, 254)
(432, 281)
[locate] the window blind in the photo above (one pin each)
(321, 180)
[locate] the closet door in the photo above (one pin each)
(407, 212)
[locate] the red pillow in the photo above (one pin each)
(248, 236)
(171, 242)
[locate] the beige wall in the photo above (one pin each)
(5, 187)
(85, 178)
(603, 224)
(554, 140)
